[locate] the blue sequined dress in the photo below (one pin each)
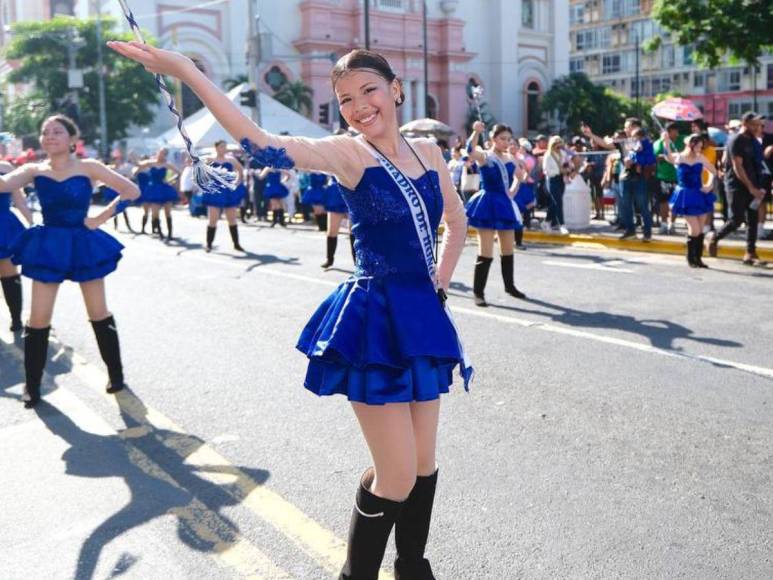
(688, 199)
(334, 200)
(315, 193)
(158, 190)
(383, 335)
(10, 226)
(492, 207)
(225, 196)
(274, 188)
(63, 248)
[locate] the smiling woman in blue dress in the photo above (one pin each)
(10, 229)
(225, 199)
(383, 338)
(68, 246)
(691, 198)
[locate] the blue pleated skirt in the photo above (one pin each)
(225, 197)
(492, 211)
(10, 229)
(687, 201)
(159, 193)
(54, 253)
(381, 340)
(313, 196)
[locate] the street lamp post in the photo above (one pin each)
(103, 144)
(367, 23)
(426, 59)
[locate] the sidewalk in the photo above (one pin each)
(601, 235)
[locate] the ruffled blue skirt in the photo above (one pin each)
(159, 193)
(334, 201)
(55, 254)
(381, 340)
(225, 197)
(492, 211)
(711, 199)
(313, 196)
(687, 201)
(10, 229)
(275, 192)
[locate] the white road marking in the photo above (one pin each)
(601, 267)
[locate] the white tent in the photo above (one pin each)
(204, 129)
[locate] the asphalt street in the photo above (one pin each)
(619, 425)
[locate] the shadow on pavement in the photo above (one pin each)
(59, 362)
(661, 333)
(135, 455)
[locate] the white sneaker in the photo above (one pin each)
(663, 231)
(564, 231)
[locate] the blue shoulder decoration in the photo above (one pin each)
(268, 156)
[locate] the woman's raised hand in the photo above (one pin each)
(479, 127)
(155, 60)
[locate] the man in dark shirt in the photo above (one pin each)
(742, 184)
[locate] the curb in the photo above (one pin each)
(596, 241)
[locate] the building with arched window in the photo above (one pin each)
(514, 49)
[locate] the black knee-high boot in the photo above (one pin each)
(332, 244)
(35, 353)
(519, 239)
(321, 220)
(155, 227)
(144, 222)
(12, 292)
(210, 237)
(107, 340)
(235, 238)
(482, 267)
(699, 251)
(412, 531)
(508, 276)
(168, 227)
(280, 217)
(691, 251)
(351, 245)
(371, 524)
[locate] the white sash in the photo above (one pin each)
(506, 182)
(426, 239)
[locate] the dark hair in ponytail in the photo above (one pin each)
(361, 59)
(500, 128)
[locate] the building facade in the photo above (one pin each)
(513, 48)
(604, 38)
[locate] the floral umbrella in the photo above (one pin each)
(677, 109)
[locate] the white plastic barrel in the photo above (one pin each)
(577, 204)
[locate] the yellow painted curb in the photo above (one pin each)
(633, 245)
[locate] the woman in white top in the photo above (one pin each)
(555, 167)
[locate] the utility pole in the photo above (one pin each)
(426, 59)
(253, 56)
(367, 24)
(638, 80)
(103, 144)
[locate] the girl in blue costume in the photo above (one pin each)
(337, 212)
(68, 246)
(690, 198)
(314, 195)
(492, 210)
(10, 229)
(383, 338)
(523, 190)
(158, 193)
(142, 179)
(275, 191)
(225, 200)
(109, 194)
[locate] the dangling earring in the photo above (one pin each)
(73, 148)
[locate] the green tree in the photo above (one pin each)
(41, 48)
(24, 114)
(716, 28)
(296, 96)
(233, 82)
(574, 99)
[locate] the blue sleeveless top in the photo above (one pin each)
(690, 176)
(63, 248)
